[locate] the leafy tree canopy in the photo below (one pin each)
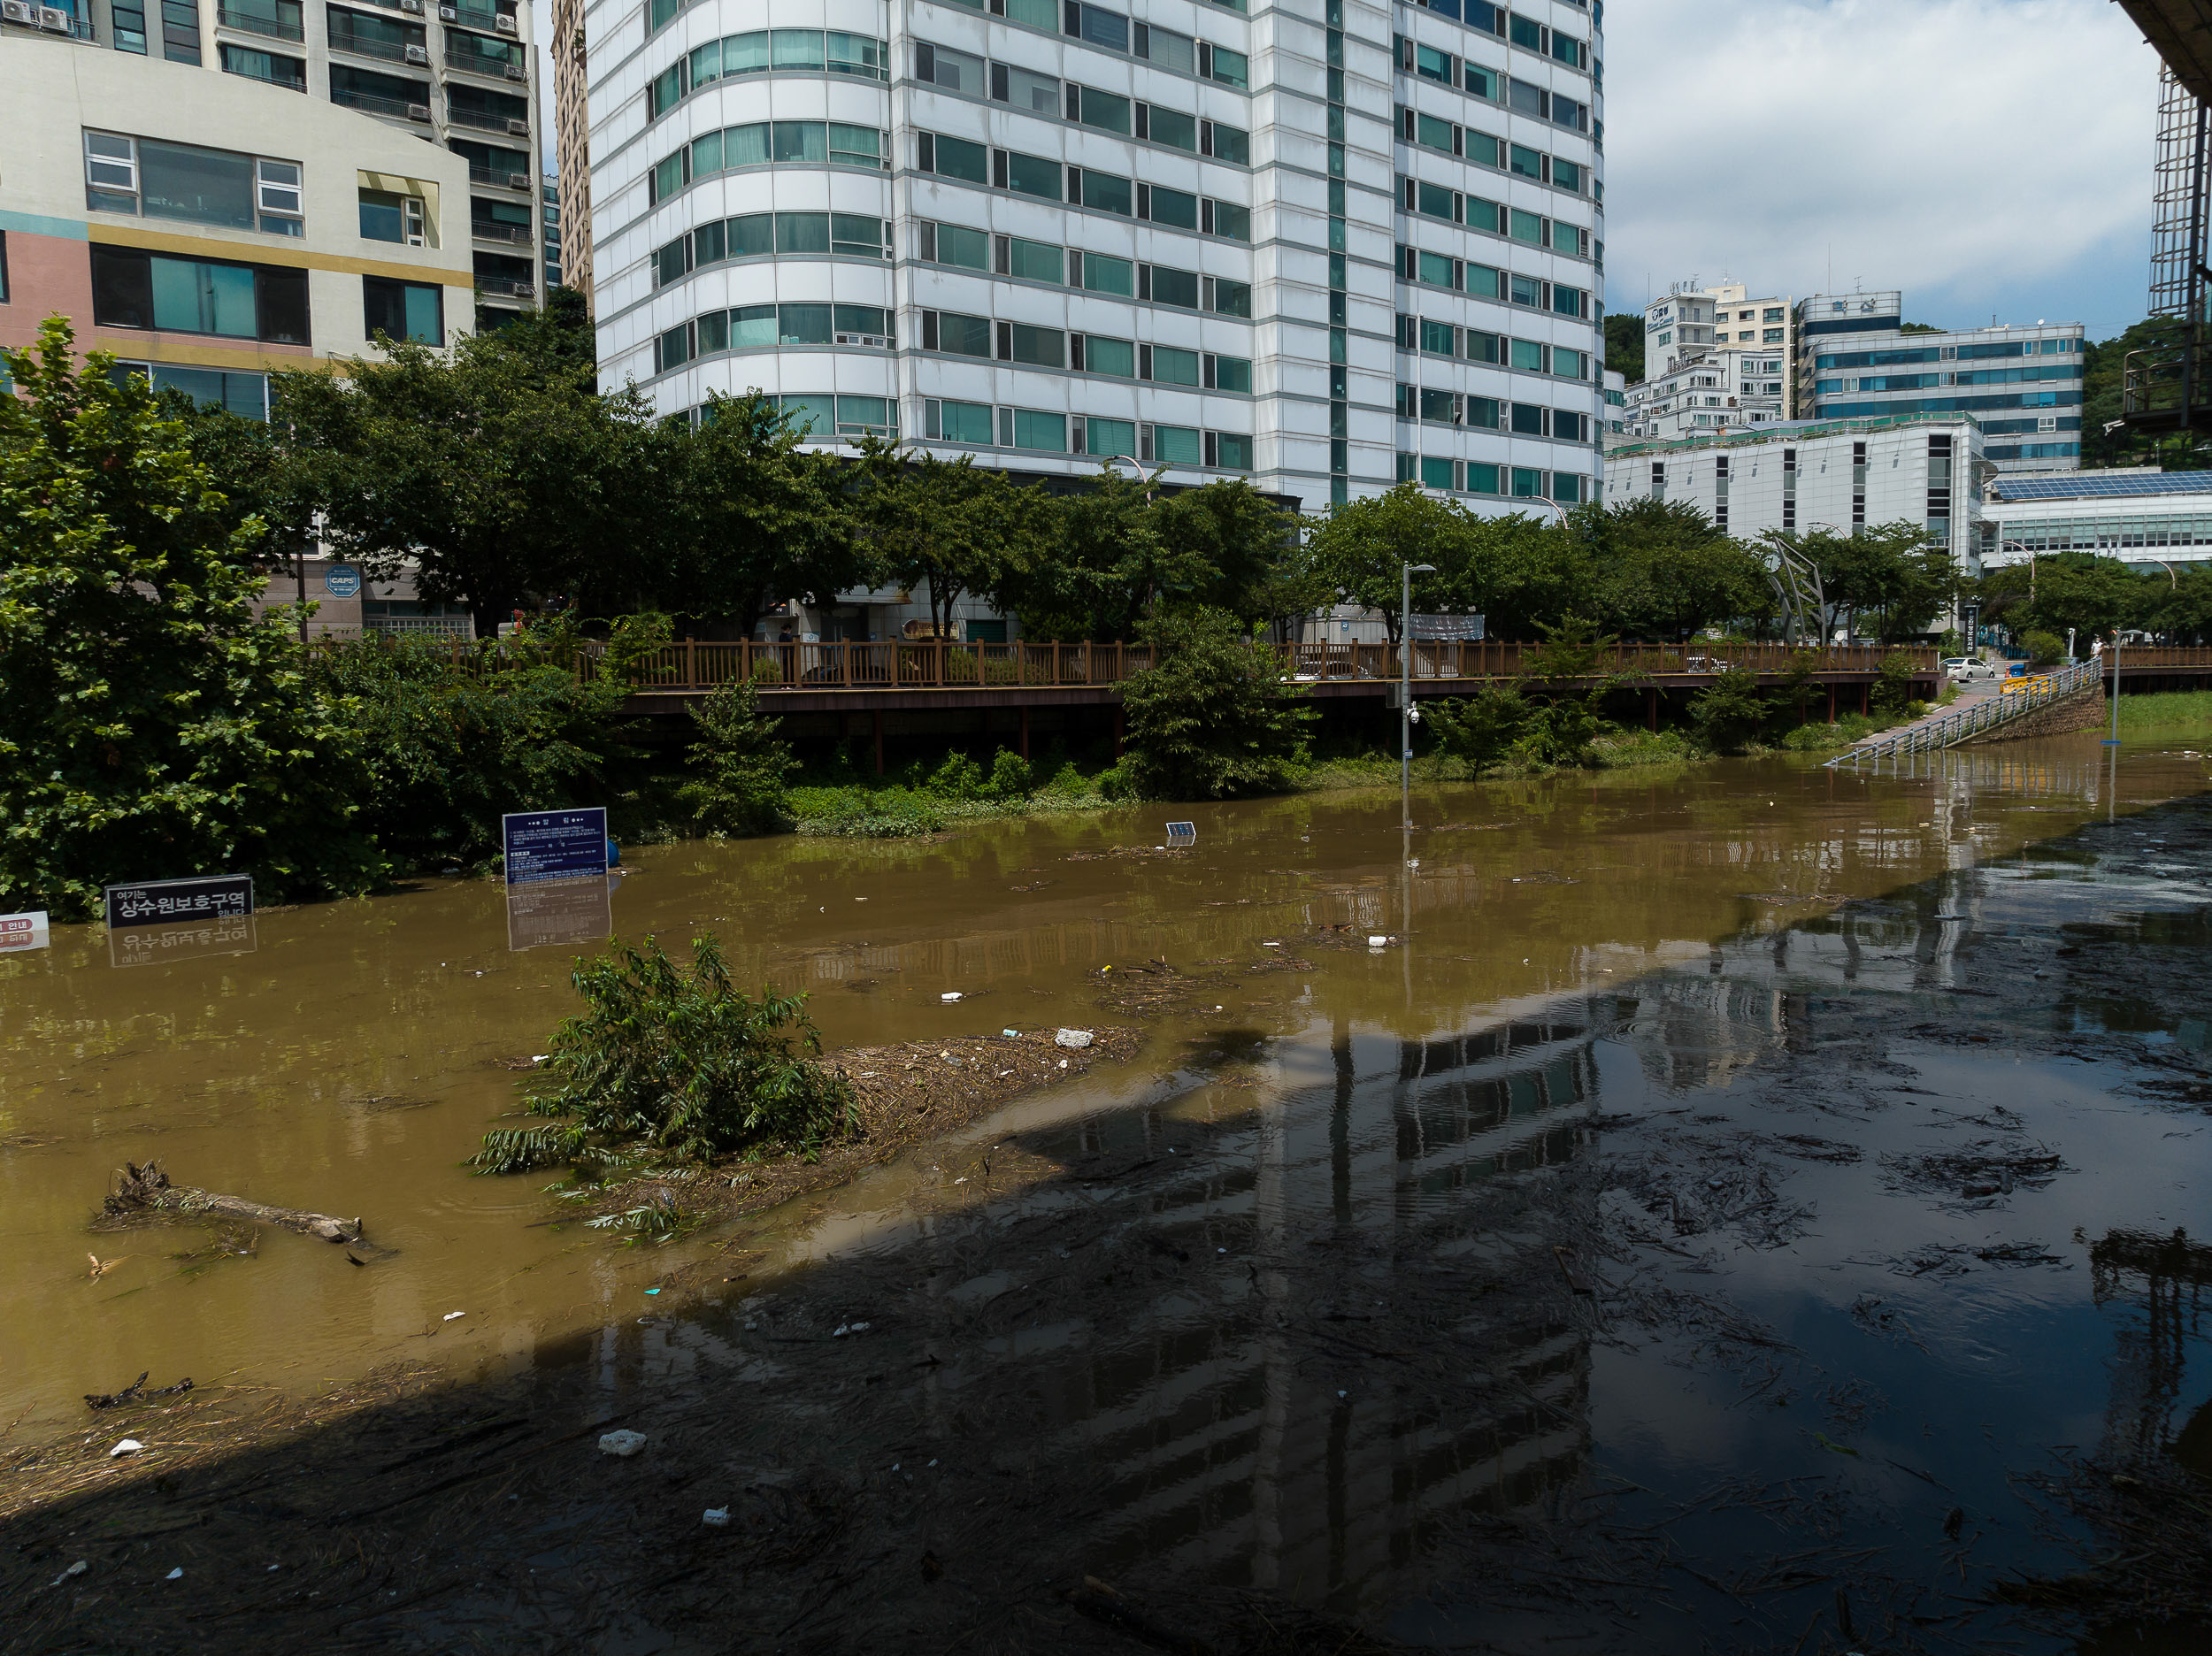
(150, 727)
(1213, 717)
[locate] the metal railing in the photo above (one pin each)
(363, 46)
(478, 63)
(499, 176)
(450, 626)
(1927, 734)
(485, 231)
(507, 287)
(482, 120)
(375, 103)
(248, 23)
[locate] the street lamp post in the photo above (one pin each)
(1406, 572)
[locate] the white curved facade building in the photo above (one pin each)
(1325, 248)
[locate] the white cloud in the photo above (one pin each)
(1983, 154)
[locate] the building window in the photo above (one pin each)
(4, 267)
(133, 289)
(242, 393)
(403, 309)
(950, 422)
(386, 216)
(157, 179)
(255, 64)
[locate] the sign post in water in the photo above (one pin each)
(554, 844)
(164, 902)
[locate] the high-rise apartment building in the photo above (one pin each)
(2022, 385)
(550, 213)
(1327, 249)
(455, 77)
(572, 132)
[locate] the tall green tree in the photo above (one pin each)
(1887, 578)
(1214, 715)
(950, 524)
(1665, 571)
(497, 469)
(1362, 547)
(150, 727)
(752, 516)
(2066, 591)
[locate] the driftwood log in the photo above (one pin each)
(148, 1190)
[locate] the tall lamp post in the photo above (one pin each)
(1406, 572)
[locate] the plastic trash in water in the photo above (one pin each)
(715, 1517)
(1076, 1039)
(129, 1445)
(449, 1316)
(78, 1568)
(1377, 942)
(622, 1445)
(1012, 1034)
(175, 1575)
(652, 1291)
(949, 994)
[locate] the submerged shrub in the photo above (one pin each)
(1010, 777)
(678, 1062)
(742, 770)
(1730, 713)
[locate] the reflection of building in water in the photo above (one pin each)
(2163, 1279)
(1242, 1447)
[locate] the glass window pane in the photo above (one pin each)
(705, 67)
(1109, 30)
(1174, 128)
(805, 323)
(1232, 221)
(1035, 429)
(1231, 68)
(713, 331)
(1117, 357)
(751, 235)
(856, 54)
(957, 159)
(1038, 347)
(798, 49)
(1103, 274)
(856, 233)
(752, 326)
(1232, 373)
(817, 414)
(1169, 206)
(964, 422)
(803, 232)
(1106, 111)
(1172, 366)
(426, 318)
(1233, 450)
(1033, 175)
(1436, 473)
(1109, 194)
(1107, 438)
(1528, 356)
(956, 244)
(1176, 445)
(873, 413)
(1039, 94)
(963, 335)
(804, 141)
(865, 320)
(1033, 261)
(1527, 227)
(745, 54)
(205, 186)
(710, 152)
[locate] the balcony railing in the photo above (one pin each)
(502, 176)
(362, 46)
(483, 120)
(375, 104)
(507, 287)
(484, 231)
(475, 63)
(247, 23)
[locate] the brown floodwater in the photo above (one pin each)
(346, 1057)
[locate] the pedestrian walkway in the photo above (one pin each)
(1979, 708)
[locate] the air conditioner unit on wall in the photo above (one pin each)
(516, 71)
(518, 181)
(414, 6)
(418, 55)
(419, 111)
(55, 19)
(450, 14)
(18, 11)
(518, 128)
(504, 24)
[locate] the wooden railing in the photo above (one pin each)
(903, 664)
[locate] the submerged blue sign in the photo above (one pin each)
(554, 845)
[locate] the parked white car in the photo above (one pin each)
(1970, 669)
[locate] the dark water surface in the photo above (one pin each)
(1866, 1110)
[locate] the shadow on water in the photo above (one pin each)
(1762, 1301)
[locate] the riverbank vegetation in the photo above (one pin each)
(161, 717)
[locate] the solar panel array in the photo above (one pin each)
(2094, 486)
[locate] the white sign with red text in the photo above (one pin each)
(26, 931)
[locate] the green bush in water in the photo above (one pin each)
(1479, 731)
(678, 1063)
(1729, 713)
(742, 780)
(1010, 777)
(1892, 686)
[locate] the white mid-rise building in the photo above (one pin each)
(1714, 360)
(1325, 251)
(2147, 519)
(1837, 476)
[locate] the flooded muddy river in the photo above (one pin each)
(1720, 1215)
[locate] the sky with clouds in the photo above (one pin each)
(1987, 157)
(1991, 157)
